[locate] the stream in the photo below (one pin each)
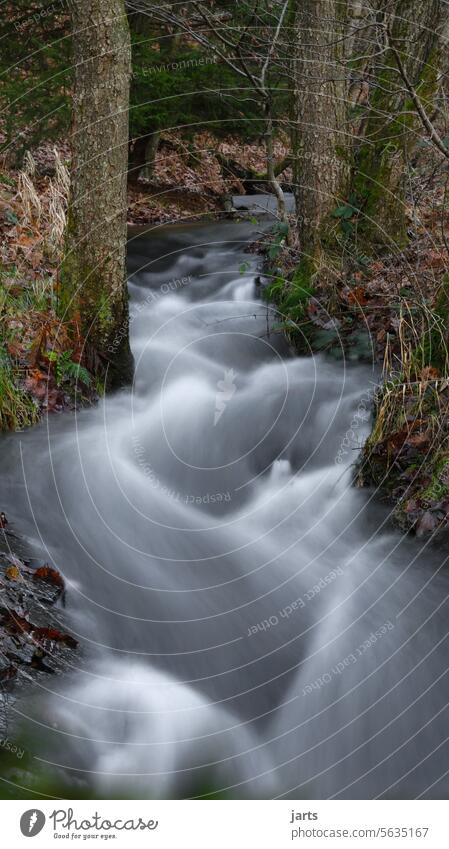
(249, 622)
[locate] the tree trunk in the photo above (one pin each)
(390, 130)
(151, 146)
(321, 168)
(93, 276)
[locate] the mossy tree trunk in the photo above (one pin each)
(390, 127)
(93, 276)
(321, 160)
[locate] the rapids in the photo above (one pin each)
(249, 622)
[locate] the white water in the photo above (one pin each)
(225, 578)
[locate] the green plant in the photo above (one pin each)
(17, 408)
(347, 214)
(66, 368)
(280, 232)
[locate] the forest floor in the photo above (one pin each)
(193, 179)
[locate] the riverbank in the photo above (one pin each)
(388, 309)
(41, 359)
(34, 643)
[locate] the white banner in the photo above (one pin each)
(224, 824)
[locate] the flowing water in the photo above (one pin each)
(248, 620)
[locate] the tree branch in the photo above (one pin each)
(425, 120)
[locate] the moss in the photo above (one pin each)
(382, 222)
(292, 296)
(103, 321)
(378, 167)
(104, 315)
(82, 288)
(438, 488)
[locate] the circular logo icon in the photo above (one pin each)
(32, 822)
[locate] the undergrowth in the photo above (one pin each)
(392, 310)
(41, 367)
(407, 453)
(17, 408)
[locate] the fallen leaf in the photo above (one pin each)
(436, 259)
(357, 296)
(55, 636)
(26, 241)
(419, 440)
(13, 573)
(36, 388)
(429, 373)
(51, 576)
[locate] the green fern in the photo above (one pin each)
(66, 368)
